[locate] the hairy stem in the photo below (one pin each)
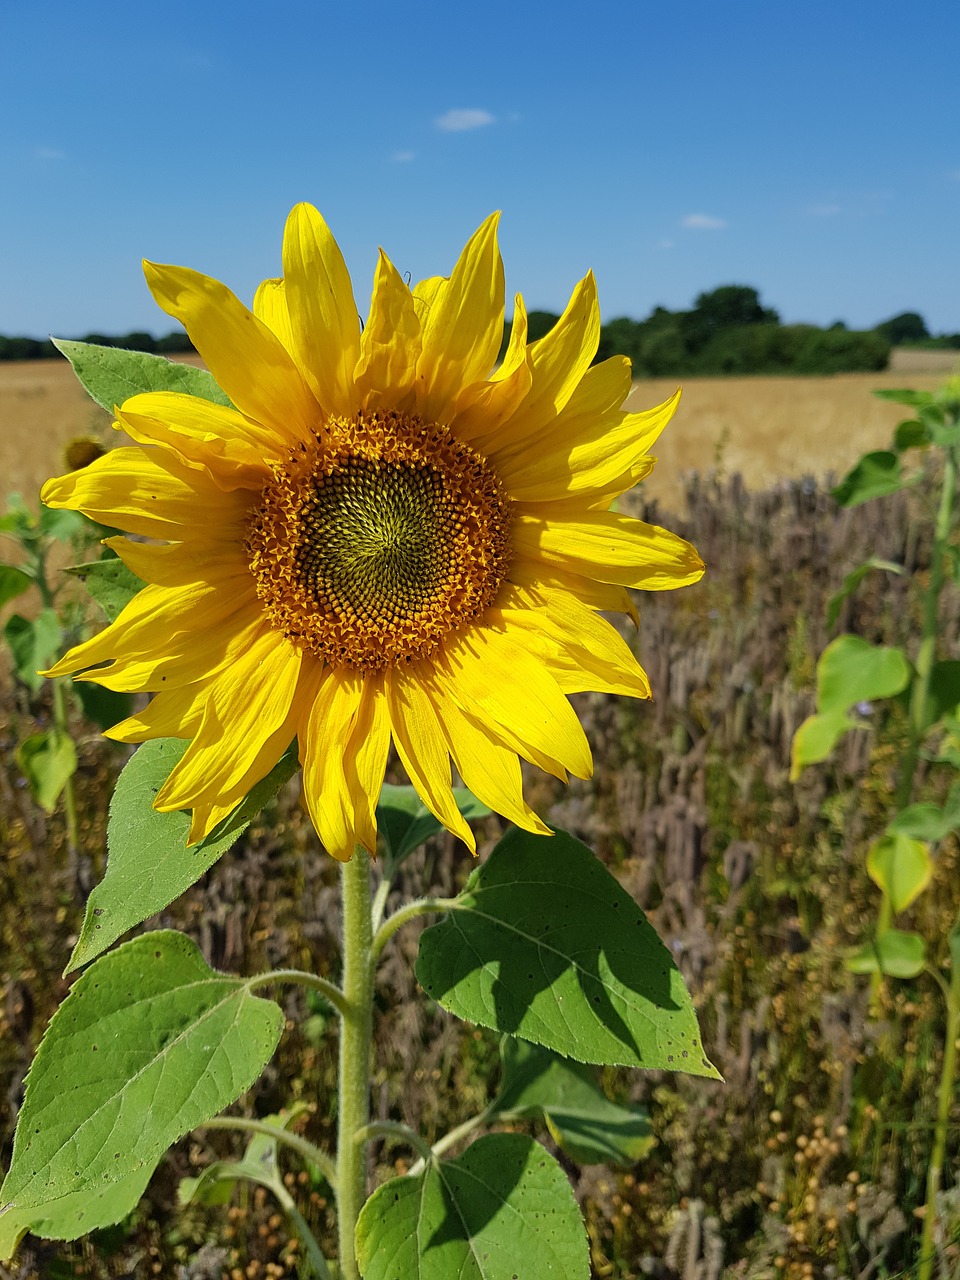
(944, 1099)
(284, 1137)
(356, 1033)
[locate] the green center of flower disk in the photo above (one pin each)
(377, 539)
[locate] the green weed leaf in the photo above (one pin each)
(13, 582)
(903, 395)
(148, 862)
(874, 476)
(851, 670)
(502, 1210)
(928, 821)
(895, 953)
(817, 737)
(540, 1085)
(110, 583)
(149, 1043)
(48, 760)
(911, 434)
(544, 944)
(900, 867)
(111, 375)
(34, 644)
(853, 580)
(405, 823)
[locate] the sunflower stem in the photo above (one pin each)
(356, 1033)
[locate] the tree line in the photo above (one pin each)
(727, 331)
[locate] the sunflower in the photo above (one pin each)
(389, 539)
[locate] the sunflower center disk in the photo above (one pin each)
(377, 540)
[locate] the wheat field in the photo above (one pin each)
(765, 428)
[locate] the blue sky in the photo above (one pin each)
(811, 150)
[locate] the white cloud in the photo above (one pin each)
(403, 157)
(667, 244)
(702, 222)
(49, 153)
(458, 119)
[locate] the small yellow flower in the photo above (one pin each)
(388, 539)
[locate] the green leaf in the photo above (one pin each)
(502, 1210)
(928, 821)
(149, 1043)
(900, 867)
(111, 584)
(540, 1085)
(48, 760)
(111, 376)
(851, 670)
(853, 580)
(944, 689)
(944, 429)
(911, 434)
(405, 823)
(874, 476)
(544, 944)
(148, 862)
(258, 1163)
(33, 644)
(913, 399)
(13, 582)
(898, 954)
(817, 737)
(62, 524)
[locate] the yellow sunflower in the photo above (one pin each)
(388, 539)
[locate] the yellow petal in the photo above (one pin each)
(152, 493)
(270, 307)
(606, 596)
(176, 714)
(421, 749)
(590, 447)
(390, 343)
(606, 546)
(492, 673)
(344, 738)
(491, 771)
(462, 323)
(175, 564)
(248, 723)
(248, 361)
(323, 315)
(484, 406)
(558, 360)
(234, 450)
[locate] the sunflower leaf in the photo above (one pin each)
(148, 862)
(540, 1085)
(501, 1210)
(111, 375)
(894, 952)
(405, 822)
(544, 944)
(111, 584)
(149, 1043)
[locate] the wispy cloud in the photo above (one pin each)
(667, 244)
(459, 119)
(49, 153)
(403, 157)
(823, 210)
(702, 222)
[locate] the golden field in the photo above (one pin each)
(766, 428)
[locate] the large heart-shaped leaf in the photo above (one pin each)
(500, 1211)
(405, 822)
(149, 1043)
(148, 862)
(544, 944)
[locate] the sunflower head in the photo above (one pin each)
(387, 542)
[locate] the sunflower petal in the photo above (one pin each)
(248, 361)
(462, 322)
(390, 344)
(416, 732)
(607, 546)
(484, 406)
(270, 307)
(176, 714)
(323, 315)
(176, 564)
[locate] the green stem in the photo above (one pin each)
(356, 1034)
(302, 1146)
(320, 1265)
(304, 979)
(944, 1100)
(69, 793)
(401, 1132)
(380, 902)
(422, 906)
